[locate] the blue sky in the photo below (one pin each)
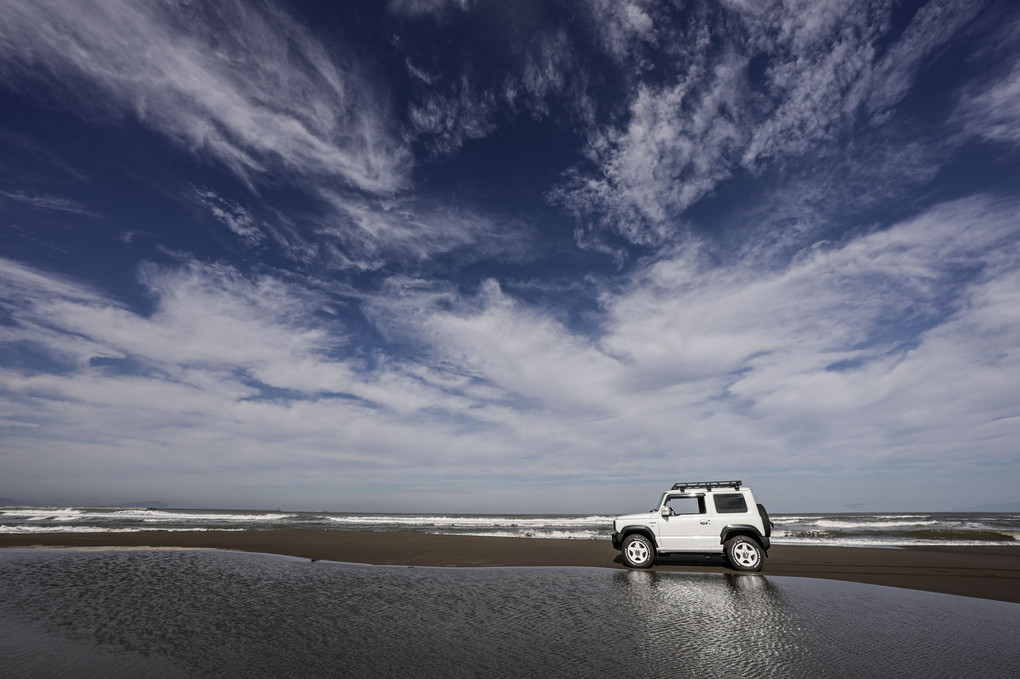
(453, 255)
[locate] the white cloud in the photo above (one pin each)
(242, 83)
(250, 87)
(819, 55)
(235, 217)
(369, 234)
(623, 27)
(991, 109)
(785, 81)
(449, 119)
(765, 345)
(414, 8)
(894, 349)
(204, 315)
(529, 356)
(493, 78)
(197, 382)
(678, 143)
(934, 26)
(47, 202)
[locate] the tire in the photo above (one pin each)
(638, 551)
(744, 554)
(765, 520)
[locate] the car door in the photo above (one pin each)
(685, 526)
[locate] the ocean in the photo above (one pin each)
(207, 613)
(851, 530)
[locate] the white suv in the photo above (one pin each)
(698, 517)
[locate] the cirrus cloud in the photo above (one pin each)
(243, 83)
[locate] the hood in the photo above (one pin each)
(640, 517)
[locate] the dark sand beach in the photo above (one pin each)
(983, 572)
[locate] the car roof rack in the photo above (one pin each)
(684, 485)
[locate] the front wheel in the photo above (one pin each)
(638, 551)
(744, 554)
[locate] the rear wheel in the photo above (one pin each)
(638, 551)
(766, 522)
(744, 554)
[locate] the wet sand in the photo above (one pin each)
(984, 572)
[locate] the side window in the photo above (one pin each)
(730, 503)
(686, 505)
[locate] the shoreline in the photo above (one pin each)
(983, 572)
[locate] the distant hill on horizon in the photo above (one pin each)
(993, 507)
(7, 502)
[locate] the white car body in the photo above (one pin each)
(701, 517)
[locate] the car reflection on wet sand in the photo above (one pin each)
(718, 623)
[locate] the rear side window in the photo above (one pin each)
(730, 503)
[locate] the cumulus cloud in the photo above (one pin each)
(243, 84)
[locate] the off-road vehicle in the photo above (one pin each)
(698, 517)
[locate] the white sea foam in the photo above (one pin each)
(467, 521)
(889, 529)
(44, 514)
(36, 530)
(73, 514)
(159, 515)
(866, 524)
(869, 519)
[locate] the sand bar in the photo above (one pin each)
(984, 572)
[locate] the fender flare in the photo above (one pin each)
(643, 530)
(744, 529)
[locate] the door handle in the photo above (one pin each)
(706, 522)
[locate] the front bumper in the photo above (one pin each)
(617, 541)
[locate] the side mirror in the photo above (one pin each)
(665, 511)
